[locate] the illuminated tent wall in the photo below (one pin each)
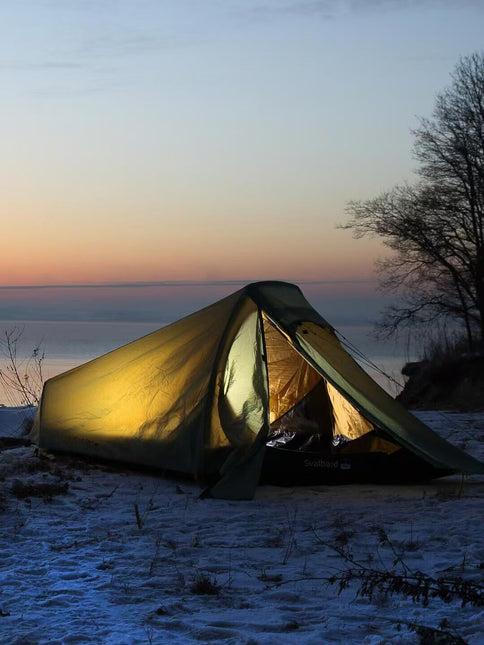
(202, 395)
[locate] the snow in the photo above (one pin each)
(79, 566)
(12, 420)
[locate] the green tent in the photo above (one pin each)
(223, 392)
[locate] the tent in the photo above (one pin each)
(254, 387)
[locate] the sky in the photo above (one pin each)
(210, 140)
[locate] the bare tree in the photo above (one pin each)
(435, 227)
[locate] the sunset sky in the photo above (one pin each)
(209, 140)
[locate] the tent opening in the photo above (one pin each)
(308, 415)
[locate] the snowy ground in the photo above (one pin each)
(78, 566)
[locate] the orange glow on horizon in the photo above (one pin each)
(82, 264)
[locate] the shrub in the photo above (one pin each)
(204, 584)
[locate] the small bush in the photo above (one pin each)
(205, 585)
(447, 346)
(22, 378)
(454, 383)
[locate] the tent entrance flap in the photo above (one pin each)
(242, 405)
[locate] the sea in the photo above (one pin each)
(68, 326)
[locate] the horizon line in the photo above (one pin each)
(178, 283)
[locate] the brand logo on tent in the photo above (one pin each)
(320, 463)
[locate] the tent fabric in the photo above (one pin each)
(200, 396)
(323, 348)
(290, 375)
(143, 402)
(348, 422)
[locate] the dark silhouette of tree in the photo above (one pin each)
(435, 227)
